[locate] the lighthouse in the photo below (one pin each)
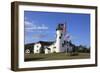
(60, 33)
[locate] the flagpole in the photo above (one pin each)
(65, 34)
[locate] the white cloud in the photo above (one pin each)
(27, 23)
(30, 26)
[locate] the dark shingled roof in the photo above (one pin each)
(29, 45)
(47, 43)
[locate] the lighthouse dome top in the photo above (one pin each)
(60, 27)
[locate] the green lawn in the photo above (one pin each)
(55, 56)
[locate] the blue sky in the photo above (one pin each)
(41, 26)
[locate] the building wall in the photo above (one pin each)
(37, 48)
(59, 41)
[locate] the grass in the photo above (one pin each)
(55, 56)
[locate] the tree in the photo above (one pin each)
(83, 49)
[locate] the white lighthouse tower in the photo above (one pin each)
(60, 33)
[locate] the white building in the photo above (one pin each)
(51, 47)
(37, 47)
(43, 47)
(60, 38)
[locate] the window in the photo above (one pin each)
(54, 47)
(60, 36)
(37, 46)
(62, 44)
